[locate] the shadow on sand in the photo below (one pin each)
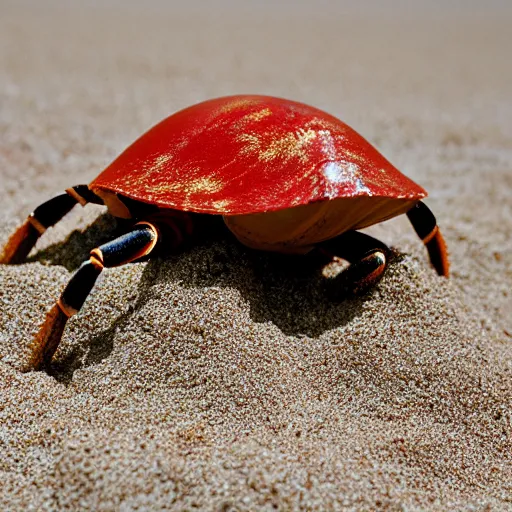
(288, 291)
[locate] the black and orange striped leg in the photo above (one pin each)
(134, 245)
(368, 261)
(425, 225)
(47, 214)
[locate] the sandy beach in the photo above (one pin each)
(219, 378)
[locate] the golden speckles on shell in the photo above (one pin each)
(332, 126)
(165, 188)
(203, 185)
(161, 161)
(221, 206)
(258, 116)
(154, 166)
(252, 117)
(355, 157)
(287, 146)
(251, 143)
(237, 104)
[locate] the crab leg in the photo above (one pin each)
(425, 225)
(134, 245)
(47, 214)
(368, 261)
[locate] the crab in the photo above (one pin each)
(285, 177)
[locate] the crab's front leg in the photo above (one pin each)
(44, 216)
(134, 245)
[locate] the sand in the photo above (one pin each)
(221, 379)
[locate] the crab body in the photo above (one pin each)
(284, 175)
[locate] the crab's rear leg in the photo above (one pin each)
(368, 258)
(134, 245)
(425, 225)
(47, 214)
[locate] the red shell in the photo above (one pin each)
(249, 154)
